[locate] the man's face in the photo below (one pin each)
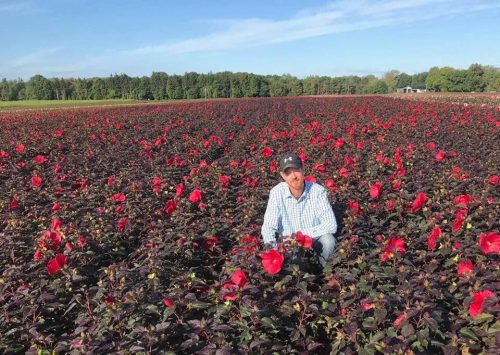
(293, 177)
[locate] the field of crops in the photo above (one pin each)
(137, 229)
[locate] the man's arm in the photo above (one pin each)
(328, 223)
(271, 220)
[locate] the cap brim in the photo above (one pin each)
(291, 165)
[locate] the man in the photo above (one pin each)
(297, 205)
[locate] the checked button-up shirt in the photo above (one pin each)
(311, 213)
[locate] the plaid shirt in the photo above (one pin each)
(311, 213)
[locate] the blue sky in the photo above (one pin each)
(86, 38)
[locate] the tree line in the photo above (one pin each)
(162, 86)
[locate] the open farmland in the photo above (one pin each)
(137, 229)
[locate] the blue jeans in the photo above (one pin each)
(324, 247)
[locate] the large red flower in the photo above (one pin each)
(122, 223)
(56, 264)
(476, 306)
(419, 201)
(431, 241)
(118, 197)
(272, 261)
(394, 245)
(304, 240)
(267, 152)
(39, 159)
(463, 200)
(493, 180)
(465, 267)
(179, 189)
(239, 278)
(170, 206)
(195, 196)
(459, 220)
(490, 242)
(36, 181)
(375, 189)
(440, 155)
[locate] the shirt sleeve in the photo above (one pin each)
(328, 223)
(272, 219)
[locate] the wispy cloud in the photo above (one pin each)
(35, 57)
(336, 17)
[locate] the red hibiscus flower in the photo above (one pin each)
(367, 306)
(440, 155)
(375, 190)
(304, 240)
(56, 264)
(459, 220)
(210, 242)
(343, 172)
(431, 145)
(419, 201)
(394, 245)
(267, 152)
(400, 319)
(431, 241)
(225, 180)
(82, 241)
(493, 180)
(14, 203)
(179, 189)
(272, 261)
(122, 223)
(310, 178)
(490, 242)
(168, 302)
(476, 306)
(195, 196)
(239, 278)
(118, 197)
(58, 133)
(463, 200)
(170, 206)
(20, 148)
(36, 182)
(111, 180)
(354, 206)
(465, 267)
(39, 159)
(389, 205)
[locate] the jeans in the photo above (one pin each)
(324, 247)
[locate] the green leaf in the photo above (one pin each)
(369, 323)
(376, 337)
(407, 330)
(267, 322)
(495, 327)
(468, 333)
(200, 305)
(483, 317)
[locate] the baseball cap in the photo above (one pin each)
(290, 160)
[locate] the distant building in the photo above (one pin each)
(410, 89)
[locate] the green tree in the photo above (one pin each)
(403, 80)
(174, 87)
(39, 88)
(159, 85)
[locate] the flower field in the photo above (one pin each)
(137, 229)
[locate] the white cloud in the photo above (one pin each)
(336, 17)
(35, 57)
